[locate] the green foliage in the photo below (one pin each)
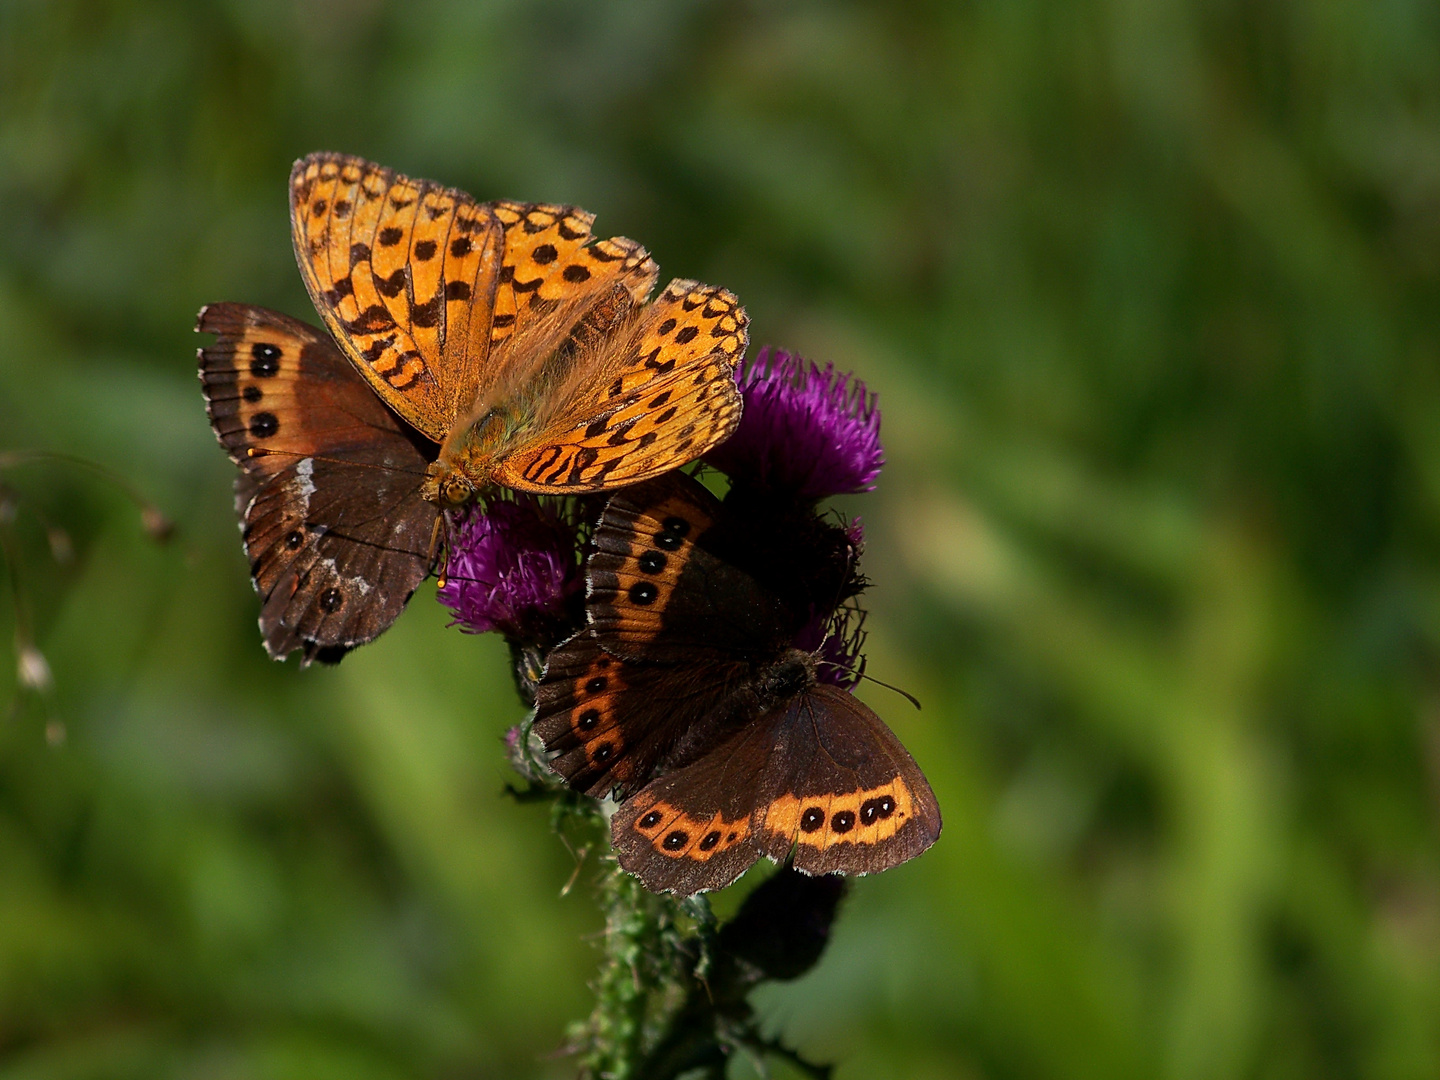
(1149, 291)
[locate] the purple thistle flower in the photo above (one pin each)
(512, 568)
(806, 430)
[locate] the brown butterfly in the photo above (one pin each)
(471, 344)
(687, 672)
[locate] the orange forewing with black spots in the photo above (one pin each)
(685, 697)
(336, 535)
(404, 273)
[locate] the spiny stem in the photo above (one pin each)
(670, 992)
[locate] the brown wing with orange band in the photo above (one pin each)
(823, 780)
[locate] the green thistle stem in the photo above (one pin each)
(670, 992)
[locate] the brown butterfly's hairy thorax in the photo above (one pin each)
(786, 678)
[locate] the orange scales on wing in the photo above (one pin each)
(508, 334)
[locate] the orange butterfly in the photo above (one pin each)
(500, 331)
(504, 333)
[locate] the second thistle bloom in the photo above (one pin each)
(806, 431)
(512, 568)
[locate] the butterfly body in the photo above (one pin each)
(483, 344)
(468, 459)
(687, 698)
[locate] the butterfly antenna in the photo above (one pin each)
(261, 451)
(861, 675)
(903, 693)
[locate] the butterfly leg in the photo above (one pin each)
(438, 533)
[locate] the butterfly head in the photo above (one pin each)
(447, 486)
(467, 460)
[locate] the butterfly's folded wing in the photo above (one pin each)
(608, 723)
(419, 283)
(337, 536)
(663, 588)
(674, 628)
(667, 400)
(822, 778)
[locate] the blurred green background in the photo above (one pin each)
(1149, 291)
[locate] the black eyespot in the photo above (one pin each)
(887, 806)
(602, 753)
(294, 539)
(709, 841)
(812, 819)
(668, 541)
(677, 525)
(652, 562)
(331, 600)
(588, 719)
(263, 425)
(869, 811)
(597, 684)
(676, 840)
(252, 393)
(650, 820)
(643, 593)
(265, 360)
(843, 822)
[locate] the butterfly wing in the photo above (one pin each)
(608, 723)
(673, 627)
(337, 535)
(693, 830)
(822, 778)
(844, 791)
(550, 258)
(660, 397)
(404, 273)
(418, 282)
(663, 585)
